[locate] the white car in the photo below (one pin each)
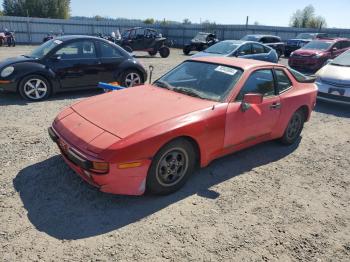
(333, 80)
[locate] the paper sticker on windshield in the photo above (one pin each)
(226, 70)
(58, 42)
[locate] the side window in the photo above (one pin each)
(108, 51)
(337, 45)
(259, 82)
(264, 40)
(283, 81)
(78, 50)
(244, 50)
(275, 40)
(345, 44)
(258, 49)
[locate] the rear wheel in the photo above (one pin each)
(187, 50)
(35, 88)
(131, 78)
(171, 167)
(294, 128)
(127, 48)
(279, 53)
(153, 52)
(164, 51)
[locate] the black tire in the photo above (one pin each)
(187, 50)
(164, 51)
(24, 88)
(1, 42)
(279, 53)
(125, 76)
(166, 174)
(153, 52)
(294, 128)
(286, 54)
(128, 48)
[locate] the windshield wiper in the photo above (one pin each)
(163, 84)
(188, 91)
(338, 64)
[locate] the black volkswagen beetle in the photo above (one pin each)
(69, 63)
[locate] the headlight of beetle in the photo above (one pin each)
(7, 71)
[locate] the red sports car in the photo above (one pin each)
(152, 137)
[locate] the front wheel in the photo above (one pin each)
(187, 50)
(131, 78)
(164, 51)
(171, 167)
(128, 48)
(153, 52)
(35, 88)
(294, 128)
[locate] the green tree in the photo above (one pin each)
(149, 21)
(186, 21)
(306, 18)
(37, 8)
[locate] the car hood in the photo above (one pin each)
(306, 52)
(14, 60)
(335, 74)
(125, 112)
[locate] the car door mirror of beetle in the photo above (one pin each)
(251, 99)
(56, 57)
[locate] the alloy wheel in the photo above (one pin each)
(132, 79)
(294, 126)
(172, 167)
(35, 89)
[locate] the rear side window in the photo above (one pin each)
(259, 82)
(283, 81)
(108, 51)
(258, 49)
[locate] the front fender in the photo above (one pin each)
(29, 68)
(206, 127)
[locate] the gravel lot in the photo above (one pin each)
(267, 203)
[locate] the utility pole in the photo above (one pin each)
(246, 22)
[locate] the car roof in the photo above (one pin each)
(328, 39)
(243, 63)
(72, 37)
(257, 35)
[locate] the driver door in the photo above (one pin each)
(76, 64)
(256, 123)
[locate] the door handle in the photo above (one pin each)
(275, 105)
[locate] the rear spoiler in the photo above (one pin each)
(308, 79)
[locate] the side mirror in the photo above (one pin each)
(334, 49)
(251, 99)
(55, 57)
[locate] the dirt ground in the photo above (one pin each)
(267, 203)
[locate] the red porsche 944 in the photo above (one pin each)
(152, 137)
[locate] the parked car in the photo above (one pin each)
(272, 41)
(201, 110)
(145, 39)
(301, 40)
(51, 35)
(242, 49)
(200, 42)
(69, 63)
(333, 80)
(315, 54)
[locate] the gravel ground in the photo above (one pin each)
(267, 203)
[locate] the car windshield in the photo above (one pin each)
(45, 48)
(342, 60)
(251, 38)
(223, 48)
(317, 45)
(202, 80)
(200, 37)
(305, 36)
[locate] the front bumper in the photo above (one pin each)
(331, 93)
(130, 181)
(8, 86)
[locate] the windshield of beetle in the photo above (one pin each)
(342, 60)
(203, 80)
(45, 48)
(317, 45)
